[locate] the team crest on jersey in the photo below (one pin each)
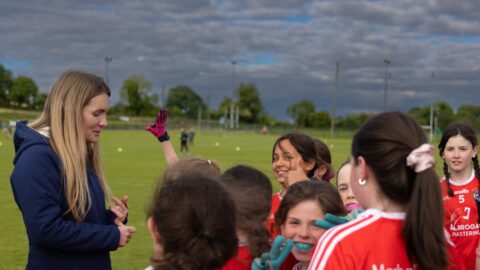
(475, 193)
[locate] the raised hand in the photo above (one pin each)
(159, 128)
(126, 233)
(273, 260)
(120, 209)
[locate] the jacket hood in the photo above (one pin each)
(26, 137)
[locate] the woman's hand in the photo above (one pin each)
(126, 233)
(120, 209)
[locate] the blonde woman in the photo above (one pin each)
(58, 181)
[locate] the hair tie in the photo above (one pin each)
(421, 158)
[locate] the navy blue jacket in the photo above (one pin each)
(56, 240)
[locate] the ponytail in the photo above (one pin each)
(447, 178)
(476, 167)
(391, 144)
(423, 228)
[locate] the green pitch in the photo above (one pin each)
(134, 171)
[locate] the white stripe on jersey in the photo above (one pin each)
(331, 238)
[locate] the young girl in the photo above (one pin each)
(343, 185)
(58, 181)
(251, 192)
(458, 148)
(304, 203)
(294, 159)
(393, 178)
(192, 223)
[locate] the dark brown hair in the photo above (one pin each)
(322, 192)
(466, 131)
(304, 145)
(193, 165)
(324, 158)
(251, 192)
(195, 218)
(385, 141)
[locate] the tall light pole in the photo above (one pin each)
(232, 108)
(107, 61)
(431, 112)
(387, 63)
(334, 110)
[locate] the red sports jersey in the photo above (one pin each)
(372, 241)
(271, 228)
(461, 217)
(243, 260)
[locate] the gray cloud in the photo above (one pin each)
(287, 48)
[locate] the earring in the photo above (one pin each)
(362, 182)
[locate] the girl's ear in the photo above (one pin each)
(308, 166)
(152, 229)
(321, 171)
(475, 151)
(363, 169)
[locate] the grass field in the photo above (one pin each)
(134, 172)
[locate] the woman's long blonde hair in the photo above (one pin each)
(63, 114)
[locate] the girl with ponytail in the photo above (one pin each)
(460, 186)
(393, 178)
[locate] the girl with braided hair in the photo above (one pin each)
(460, 186)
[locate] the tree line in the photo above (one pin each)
(137, 99)
(20, 91)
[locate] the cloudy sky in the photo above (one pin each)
(288, 48)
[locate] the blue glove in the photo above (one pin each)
(331, 221)
(273, 260)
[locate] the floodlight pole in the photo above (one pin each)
(387, 63)
(107, 61)
(335, 90)
(232, 105)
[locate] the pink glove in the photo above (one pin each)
(159, 129)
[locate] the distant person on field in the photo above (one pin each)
(183, 140)
(191, 136)
(58, 181)
(264, 130)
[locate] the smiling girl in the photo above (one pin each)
(304, 203)
(294, 159)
